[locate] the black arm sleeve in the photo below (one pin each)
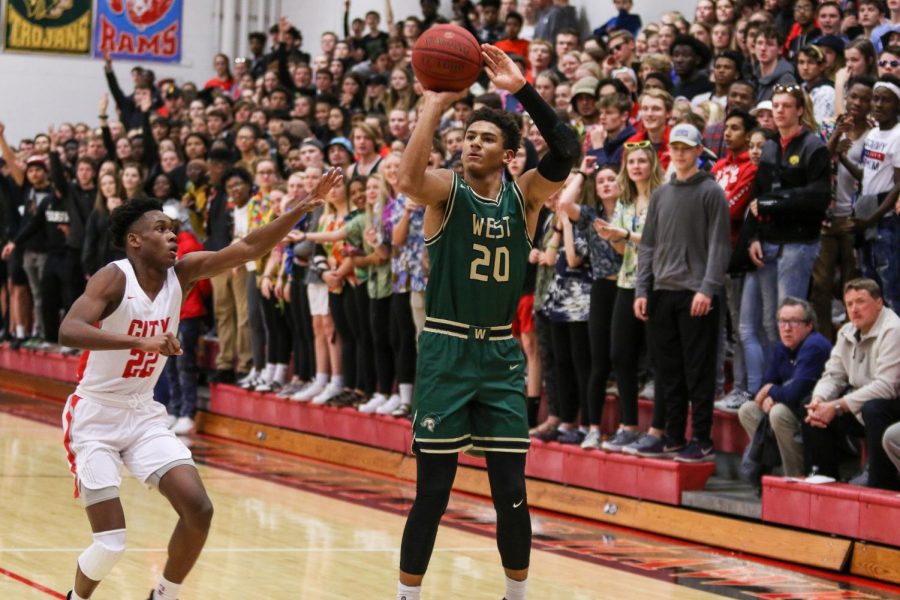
(560, 137)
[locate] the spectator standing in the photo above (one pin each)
(552, 17)
(592, 198)
(640, 176)
(681, 270)
(182, 370)
(881, 179)
(770, 69)
(656, 110)
(858, 392)
(846, 137)
(735, 174)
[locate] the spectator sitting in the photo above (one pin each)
(797, 362)
(857, 394)
(891, 443)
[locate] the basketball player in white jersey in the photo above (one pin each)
(111, 420)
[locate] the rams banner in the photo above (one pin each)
(51, 26)
(139, 29)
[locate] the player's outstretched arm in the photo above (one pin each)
(101, 297)
(429, 188)
(202, 265)
(536, 184)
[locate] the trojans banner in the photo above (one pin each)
(50, 26)
(139, 29)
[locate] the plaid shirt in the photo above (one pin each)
(714, 139)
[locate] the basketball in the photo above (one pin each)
(446, 58)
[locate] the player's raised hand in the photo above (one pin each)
(501, 69)
(443, 100)
(166, 344)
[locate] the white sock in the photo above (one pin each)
(166, 590)
(337, 381)
(281, 373)
(516, 590)
(20, 333)
(406, 393)
(76, 596)
(408, 592)
(321, 378)
(267, 373)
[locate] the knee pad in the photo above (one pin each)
(98, 560)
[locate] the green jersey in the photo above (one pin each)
(478, 257)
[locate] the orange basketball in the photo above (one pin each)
(446, 58)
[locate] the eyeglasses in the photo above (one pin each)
(791, 322)
(787, 88)
(616, 48)
(892, 63)
(638, 145)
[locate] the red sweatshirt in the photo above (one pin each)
(735, 174)
(193, 304)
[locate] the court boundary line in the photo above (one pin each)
(32, 584)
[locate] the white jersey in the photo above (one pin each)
(126, 378)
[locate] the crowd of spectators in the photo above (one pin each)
(737, 202)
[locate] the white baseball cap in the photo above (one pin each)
(685, 133)
(764, 105)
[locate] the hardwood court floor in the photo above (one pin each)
(300, 529)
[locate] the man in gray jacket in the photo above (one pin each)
(681, 269)
(857, 394)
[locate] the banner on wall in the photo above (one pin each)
(50, 26)
(139, 29)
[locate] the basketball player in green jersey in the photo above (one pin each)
(469, 378)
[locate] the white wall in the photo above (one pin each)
(39, 90)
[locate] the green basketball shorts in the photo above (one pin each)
(470, 390)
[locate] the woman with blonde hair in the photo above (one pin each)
(640, 176)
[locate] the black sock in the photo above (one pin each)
(533, 404)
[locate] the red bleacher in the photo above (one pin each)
(42, 364)
(847, 510)
(659, 480)
(844, 510)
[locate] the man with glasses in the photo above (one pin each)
(798, 359)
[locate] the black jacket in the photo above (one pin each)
(220, 221)
(78, 202)
(794, 190)
(98, 248)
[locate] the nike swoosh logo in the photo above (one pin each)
(519, 503)
(513, 367)
(130, 297)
